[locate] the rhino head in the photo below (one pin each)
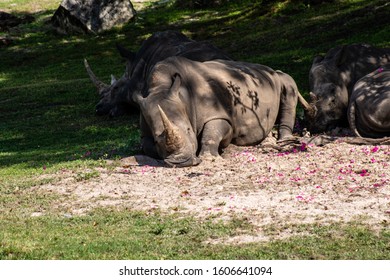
(113, 96)
(328, 96)
(168, 121)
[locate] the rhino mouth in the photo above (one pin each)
(318, 128)
(182, 162)
(102, 109)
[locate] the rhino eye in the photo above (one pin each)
(332, 102)
(333, 89)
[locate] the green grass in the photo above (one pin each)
(128, 235)
(47, 123)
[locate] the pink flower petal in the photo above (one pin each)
(375, 149)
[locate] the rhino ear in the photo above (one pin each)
(317, 59)
(125, 53)
(176, 84)
(340, 56)
(129, 56)
(113, 79)
(139, 99)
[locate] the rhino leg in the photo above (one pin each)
(287, 108)
(217, 134)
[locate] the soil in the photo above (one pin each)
(266, 185)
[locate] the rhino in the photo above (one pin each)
(192, 110)
(369, 105)
(332, 78)
(116, 98)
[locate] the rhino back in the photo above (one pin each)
(370, 104)
(255, 92)
(154, 49)
(355, 61)
(367, 59)
(162, 45)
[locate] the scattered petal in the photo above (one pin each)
(375, 149)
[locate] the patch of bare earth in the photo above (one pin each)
(306, 184)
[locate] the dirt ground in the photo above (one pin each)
(302, 183)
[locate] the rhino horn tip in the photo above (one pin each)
(98, 84)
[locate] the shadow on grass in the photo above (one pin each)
(47, 101)
(42, 125)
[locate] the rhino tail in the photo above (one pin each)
(352, 118)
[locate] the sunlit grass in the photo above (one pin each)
(106, 234)
(28, 6)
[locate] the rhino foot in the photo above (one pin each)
(208, 157)
(182, 162)
(290, 139)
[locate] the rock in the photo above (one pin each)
(91, 16)
(8, 21)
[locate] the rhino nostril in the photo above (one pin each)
(113, 113)
(99, 113)
(100, 110)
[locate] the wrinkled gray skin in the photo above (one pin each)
(332, 79)
(191, 109)
(116, 99)
(369, 106)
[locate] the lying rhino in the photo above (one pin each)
(116, 99)
(191, 109)
(332, 79)
(369, 106)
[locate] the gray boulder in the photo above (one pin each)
(91, 16)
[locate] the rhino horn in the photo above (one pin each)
(311, 107)
(173, 138)
(304, 103)
(98, 84)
